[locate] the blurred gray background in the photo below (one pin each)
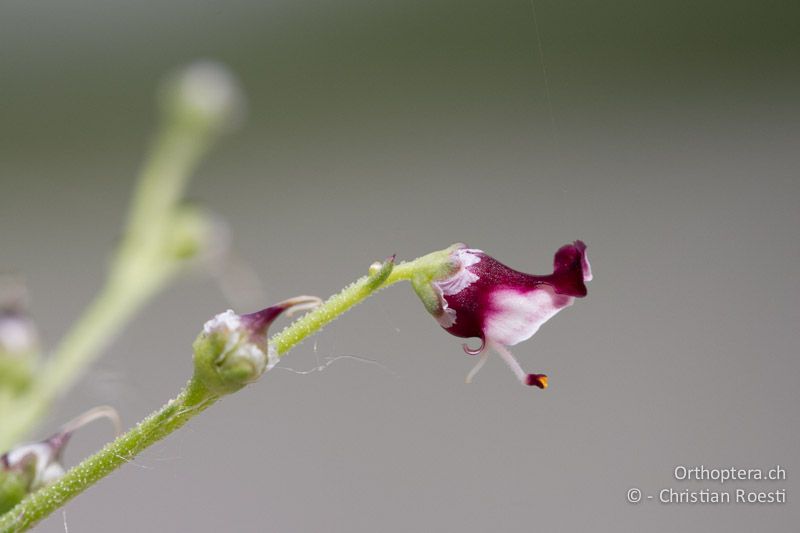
(664, 134)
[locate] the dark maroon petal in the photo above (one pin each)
(570, 270)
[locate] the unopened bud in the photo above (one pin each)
(232, 350)
(204, 94)
(19, 340)
(379, 271)
(17, 334)
(28, 467)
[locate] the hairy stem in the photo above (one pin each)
(188, 404)
(195, 397)
(349, 297)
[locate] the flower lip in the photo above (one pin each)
(571, 269)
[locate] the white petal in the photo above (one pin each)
(516, 316)
(272, 357)
(43, 456)
(16, 335)
(52, 473)
(227, 320)
(448, 316)
(463, 278)
(587, 268)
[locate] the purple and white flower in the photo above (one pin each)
(481, 297)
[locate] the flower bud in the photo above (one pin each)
(481, 297)
(19, 340)
(232, 350)
(205, 95)
(29, 467)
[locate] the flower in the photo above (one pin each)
(18, 335)
(478, 296)
(232, 350)
(28, 467)
(19, 340)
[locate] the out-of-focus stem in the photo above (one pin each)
(198, 103)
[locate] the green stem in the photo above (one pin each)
(195, 397)
(189, 403)
(352, 295)
(102, 320)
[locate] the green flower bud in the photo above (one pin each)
(19, 340)
(232, 350)
(14, 485)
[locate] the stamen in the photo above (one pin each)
(538, 380)
(477, 367)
